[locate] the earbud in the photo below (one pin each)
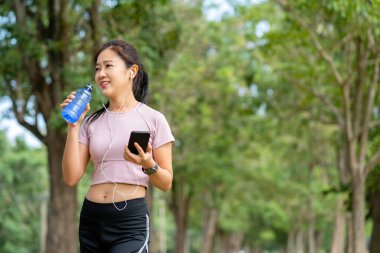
(131, 74)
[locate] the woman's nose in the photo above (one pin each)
(100, 74)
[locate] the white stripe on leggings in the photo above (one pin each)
(147, 236)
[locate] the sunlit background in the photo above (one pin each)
(274, 105)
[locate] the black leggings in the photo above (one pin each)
(104, 229)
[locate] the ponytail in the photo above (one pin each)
(140, 86)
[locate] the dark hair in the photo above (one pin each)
(129, 54)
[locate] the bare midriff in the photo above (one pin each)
(103, 193)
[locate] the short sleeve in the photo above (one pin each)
(163, 134)
(83, 133)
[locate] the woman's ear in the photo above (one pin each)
(135, 69)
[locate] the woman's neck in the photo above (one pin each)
(122, 104)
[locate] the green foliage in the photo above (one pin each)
(301, 80)
(23, 190)
(252, 138)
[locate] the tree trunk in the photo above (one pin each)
(311, 238)
(299, 241)
(62, 236)
(350, 240)
(318, 241)
(96, 25)
(180, 207)
(181, 216)
(257, 250)
(234, 242)
(222, 241)
(337, 245)
(290, 243)
(43, 215)
(310, 219)
(149, 198)
(157, 221)
(375, 211)
(209, 228)
(162, 228)
(358, 188)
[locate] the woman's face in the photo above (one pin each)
(112, 74)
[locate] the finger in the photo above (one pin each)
(139, 149)
(149, 148)
(66, 101)
(128, 155)
(71, 95)
(86, 109)
(84, 113)
(63, 105)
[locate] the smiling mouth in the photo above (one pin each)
(104, 85)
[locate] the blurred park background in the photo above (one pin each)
(274, 106)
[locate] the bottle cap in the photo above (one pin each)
(89, 86)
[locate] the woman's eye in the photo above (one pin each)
(108, 65)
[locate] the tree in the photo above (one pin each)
(39, 48)
(324, 52)
(23, 185)
(204, 73)
(43, 51)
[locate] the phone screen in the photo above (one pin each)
(141, 137)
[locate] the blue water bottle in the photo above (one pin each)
(75, 108)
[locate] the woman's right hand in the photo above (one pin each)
(69, 98)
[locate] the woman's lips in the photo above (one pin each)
(104, 84)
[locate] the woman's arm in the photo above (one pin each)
(163, 178)
(75, 157)
(162, 155)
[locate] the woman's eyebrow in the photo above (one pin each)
(104, 62)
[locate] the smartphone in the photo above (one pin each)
(141, 137)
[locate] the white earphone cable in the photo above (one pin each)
(129, 163)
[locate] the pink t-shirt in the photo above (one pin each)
(97, 136)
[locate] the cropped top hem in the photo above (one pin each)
(117, 182)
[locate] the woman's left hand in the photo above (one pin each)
(144, 159)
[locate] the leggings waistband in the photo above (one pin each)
(107, 211)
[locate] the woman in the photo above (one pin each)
(114, 216)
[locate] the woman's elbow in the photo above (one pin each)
(70, 182)
(71, 176)
(166, 187)
(163, 186)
